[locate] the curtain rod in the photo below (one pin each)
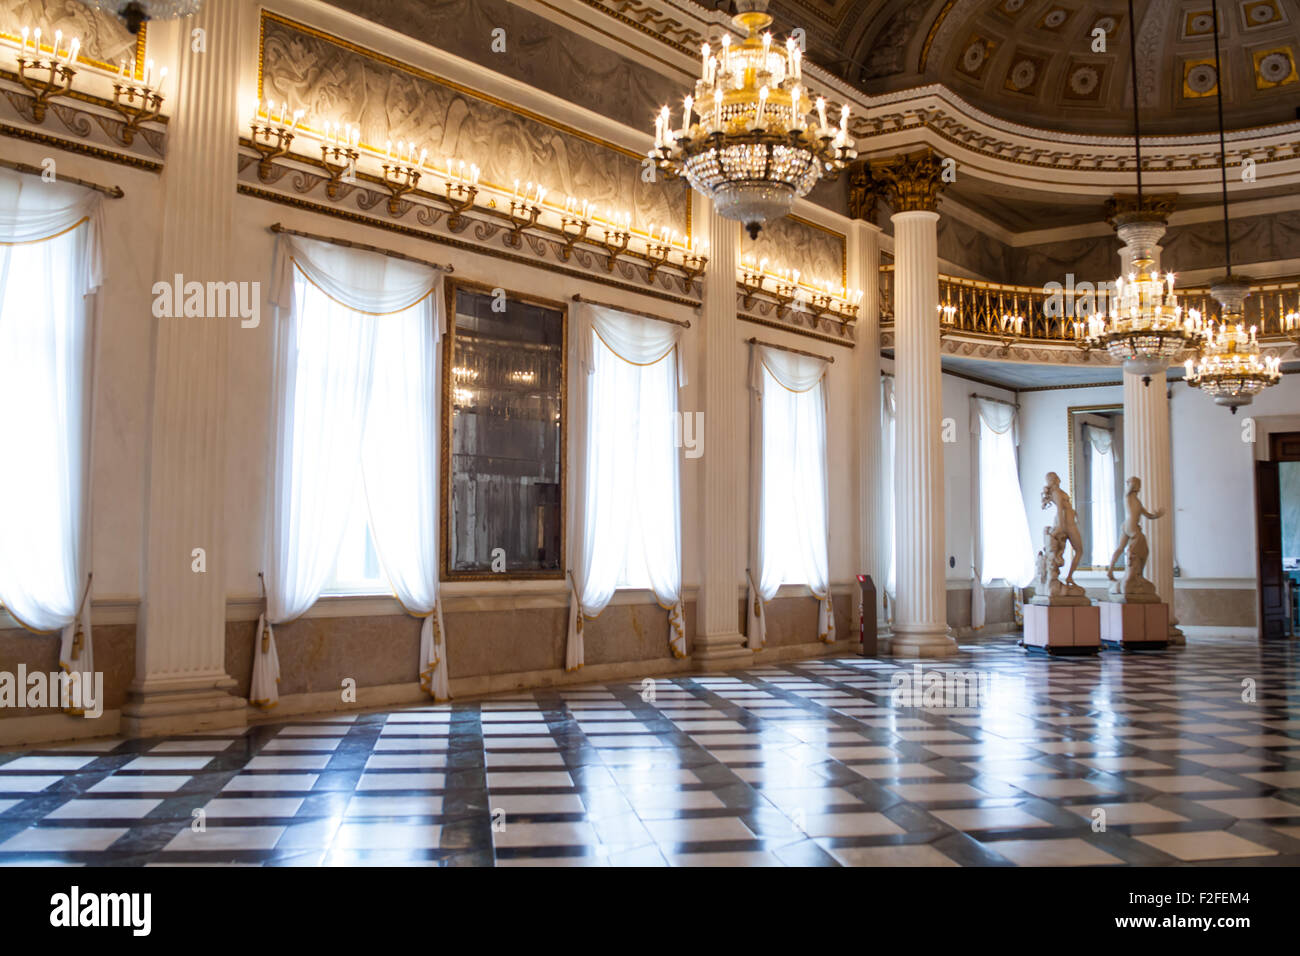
(999, 401)
(348, 243)
(786, 348)
(113, 192)
(684, 323)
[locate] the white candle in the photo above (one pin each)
(796, 101)
(762, 106)
(73, 49)
(36, 41)
(148, 71)
(821, 112)
(58, 39)
(797, 61)
(844, 120)
(26, 34)
(704, 61)
(686, 115)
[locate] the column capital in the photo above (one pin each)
(911, 182)
(1122, 209)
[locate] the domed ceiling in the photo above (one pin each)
(1064, 64)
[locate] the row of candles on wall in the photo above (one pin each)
(404, 165)
(46, 77)
(792, 285)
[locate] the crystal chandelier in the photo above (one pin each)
(1145, 329)
(751, 150)
(1229, 366)
(134, 13)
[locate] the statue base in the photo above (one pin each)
(1062, 628)
(1135, 625)
(1140, 597)
(1061, 600)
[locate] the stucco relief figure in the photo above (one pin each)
(1049, 588)
(1132, 586)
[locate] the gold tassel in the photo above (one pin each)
(78, 641)
(266, 639)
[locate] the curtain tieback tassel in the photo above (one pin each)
(78, 641)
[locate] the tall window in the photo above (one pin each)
(1006, 552)
(1101, 468)
(789, 535)
(505, 398)
(49, 268)
(627, 500)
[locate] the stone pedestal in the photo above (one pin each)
(1134, 625)
(1062, 629)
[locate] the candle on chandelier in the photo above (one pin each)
(796, 62)
(762, 107)
(36, 41)
(704, 63)
(821, 112)
(58, 40)
(767, 48)
(73, 50)
(148, 71)
(796, 101)
(22, 47)
(717, 109)
(689, 102)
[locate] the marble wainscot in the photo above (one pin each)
(1060, 619)
(1133, 617)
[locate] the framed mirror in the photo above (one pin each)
(1097, 479)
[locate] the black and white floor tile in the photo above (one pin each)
(1184, 757)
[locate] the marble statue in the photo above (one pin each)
(1132, 587)
(1048, 586)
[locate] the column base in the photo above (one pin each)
(158, 711)
(920, 640)
(721, 651)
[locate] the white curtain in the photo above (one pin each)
(1005, 549)
(357, 399)
(51, 264)
(1101, 469)
(789, 500)
(626, 492)
(887, 413)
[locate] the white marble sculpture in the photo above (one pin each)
(1132, 587)
(1048, 586)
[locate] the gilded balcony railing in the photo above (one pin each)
(1002, 311)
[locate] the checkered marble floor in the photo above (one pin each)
(1144, 759)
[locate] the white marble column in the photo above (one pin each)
(1147, 449)
(920, 612)
(181, 682)
(718, 639)
(873, 545)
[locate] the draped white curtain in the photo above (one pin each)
(1005, 548)
(1101, 468)
(626, 492)
(51, 265)
(359, 337)
(887, 413)
(789, 499)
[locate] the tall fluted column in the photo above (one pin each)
(873, 546)
(181, 681)
(920, 614)
(1147, 450)
(718, 641)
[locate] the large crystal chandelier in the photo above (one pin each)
(135, 13)
(1145, 327)
(751, 149)
(1229, 366)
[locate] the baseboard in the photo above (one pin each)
(48, 728)
(1234, 633)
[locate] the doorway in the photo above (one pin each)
(1277, 510)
